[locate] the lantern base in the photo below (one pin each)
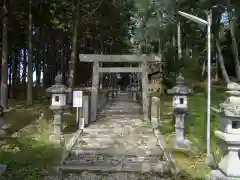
(218, 175)
(182, 144)
(154, 122)
(3, 169)
(57, 139)
(135, 96)
(230, 163)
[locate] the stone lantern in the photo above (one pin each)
(229, 133)
(180, 108)
(59, 96)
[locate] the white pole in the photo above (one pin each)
(179, 40)
(209, 24)
(209, 87)
(77, 115)
(81, 119)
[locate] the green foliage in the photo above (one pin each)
(27, 158)
(27, 151)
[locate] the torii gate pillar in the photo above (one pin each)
(94, 94)
(145, 85)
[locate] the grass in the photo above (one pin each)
(27, 151)
(193, 162)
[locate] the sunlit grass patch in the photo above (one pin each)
(193, 162)
(27, 158)
(27, 150)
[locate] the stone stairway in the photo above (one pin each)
(119, 142)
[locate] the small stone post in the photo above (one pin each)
(2, 131)
(129, 91)
(59, 93)
(116, 91)
(119, 90)
(229, 133)
(3, 169)
(109, 94)
(134, 93)
(155, 112)
(180, 109)
(112, 92)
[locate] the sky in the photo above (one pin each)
(224, 18)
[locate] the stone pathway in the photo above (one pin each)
(118, 142)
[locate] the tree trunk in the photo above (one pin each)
(10, 61)
(38, 69)
(73, 53)
(45, 67)
(18, 75)
(232, 26)
(62, 58)
(221, 62)
(14, 74)
(30, 60)
(54, 59)
(4, 74)
(24, 67)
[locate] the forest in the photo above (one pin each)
(40, 38)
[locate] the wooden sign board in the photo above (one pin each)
(77, 99)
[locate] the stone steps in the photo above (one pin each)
(120, 142)
(107, 160)
(160, 167)
(76, 152)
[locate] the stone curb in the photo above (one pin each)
(167, 154)
(67, 149)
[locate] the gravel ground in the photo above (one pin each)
(109, 176)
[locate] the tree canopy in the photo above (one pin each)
(41, 38)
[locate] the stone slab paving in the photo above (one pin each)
(120, 142)
(86, 175)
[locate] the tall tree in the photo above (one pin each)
(74, 51)
(232, 28)
(221, 61)
(30, 60)
(4, 74)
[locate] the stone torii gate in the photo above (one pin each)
(100, 58)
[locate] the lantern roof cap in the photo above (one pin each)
(180, 88)
(58, 87)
